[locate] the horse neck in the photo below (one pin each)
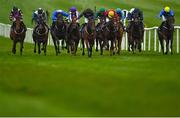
(90, 26)
(18, 24)
(170, 22)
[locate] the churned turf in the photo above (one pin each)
(141, 84)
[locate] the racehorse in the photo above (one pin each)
(40, 35)
(58, 32)
(73, 36)
(17, 34)
(110, 34)
(119, 34)
(166, 33)
(88, 36)
(135, 34)
(100, 39)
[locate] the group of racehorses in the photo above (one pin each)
(103, 33)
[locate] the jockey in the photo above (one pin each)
(167, 11)
(87, 13)
(16, 11)
(55, 14)
(36, 15)
(111, 13)
(73, 12)
(120, 13)
(101, 14)
(130, 17)
(121, 17)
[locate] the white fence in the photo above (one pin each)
(150, 38)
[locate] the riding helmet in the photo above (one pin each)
(111, 14)
(102, 9)
(15, 8)
(167, 9)
(40, 10)
(73, 9)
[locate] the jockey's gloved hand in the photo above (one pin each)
(66, 19)
(14, 19)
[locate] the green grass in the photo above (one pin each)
(142, 84)
(151, 8)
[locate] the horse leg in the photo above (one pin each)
(133, 46)
(167, 46)
(107, 44)
(34, 46)
(72, 47)
(39, 46)
(96, 44)
(62, 42)
(111, 48)
(162, 45)
(114, 46)
(171, 43)
(139, 45)
(82, 41)
(119, 47)
(58, 45)
(91, 46)
(21, 47)
(44, 46)
(55, 46)
(88, 47)
(14, 47)
(76, 45)
(161, 41)
(101, 47)
(171, 46)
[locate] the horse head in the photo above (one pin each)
(136, 18)
(59, 19)
(18, 21)
(111, 25)
(41, 28)
(170, 22)
(74, 27)
(91, 25)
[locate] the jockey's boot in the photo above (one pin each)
(122, 26)
(128, 27)
(13, 25)
(160, 27)
(53, 25)
(97, 26)
(46, 25)
(82, 27)
(25, 28)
